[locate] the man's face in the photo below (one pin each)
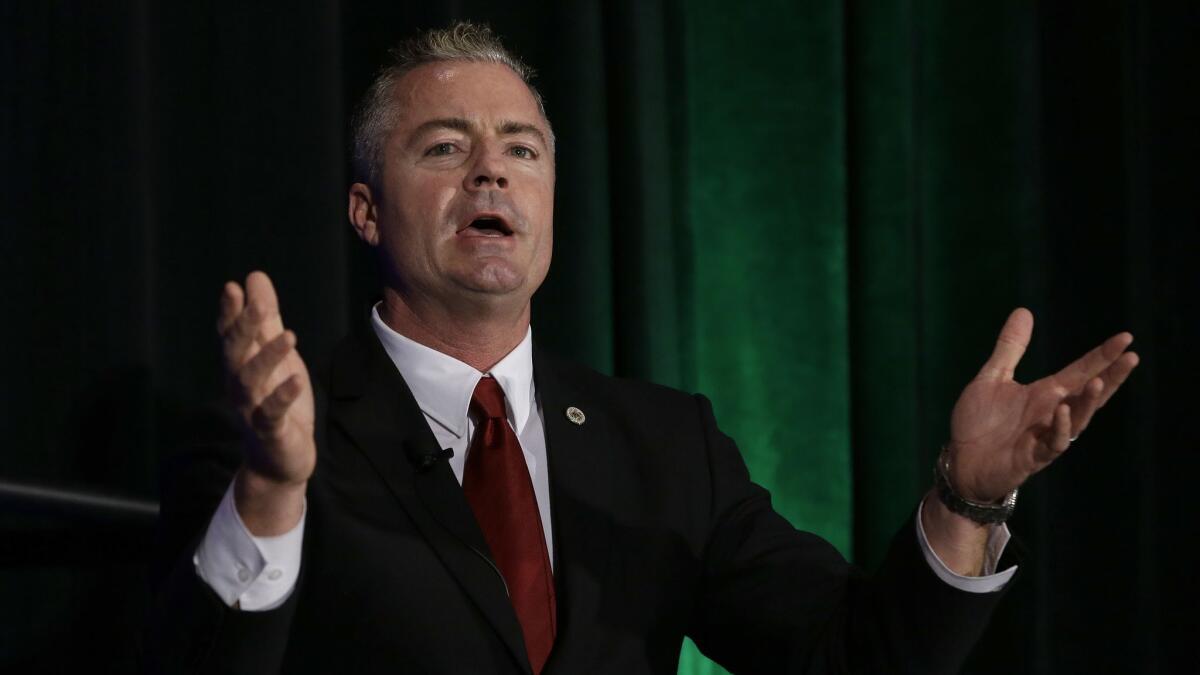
(465, 201)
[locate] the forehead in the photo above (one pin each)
(482, 92)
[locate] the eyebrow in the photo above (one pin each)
(509, 128)
(505, 128)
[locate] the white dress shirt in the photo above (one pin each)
(259, 573)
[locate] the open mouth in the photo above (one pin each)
(487, 226)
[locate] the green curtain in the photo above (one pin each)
(766, 210)
(856, 197)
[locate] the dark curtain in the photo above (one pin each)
(818, 213)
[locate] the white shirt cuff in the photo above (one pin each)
(990, 581)
(258, 573)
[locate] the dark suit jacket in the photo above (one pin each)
(658, 532)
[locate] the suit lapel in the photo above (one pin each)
(376, 409)
(581, 492)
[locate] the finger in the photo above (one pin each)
(1115, 375)
(260, 294)
(256, 374)
(1010, 346)
(1091, 364)
(239, 339)
(1085, 405)
(269, 416)
(1060, 432)
(232, 302)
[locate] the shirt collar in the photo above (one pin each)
(443, 385)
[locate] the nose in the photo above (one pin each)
(488, 171)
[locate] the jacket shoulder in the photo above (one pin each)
(618, 393)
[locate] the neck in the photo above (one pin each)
(480, 340)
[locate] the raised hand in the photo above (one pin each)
(270, 386)
(1002, 432)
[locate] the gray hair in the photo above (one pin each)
(377, 112)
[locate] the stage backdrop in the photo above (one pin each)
(818, 213)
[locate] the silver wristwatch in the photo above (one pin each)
(980, 512)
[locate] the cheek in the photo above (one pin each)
(546, 221)
(426, 200)
(441, 196)
(540, 205)
(419, 214)
(548, 217)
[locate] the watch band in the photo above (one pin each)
(980, 512)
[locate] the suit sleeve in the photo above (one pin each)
(190, 629)
(777, 600)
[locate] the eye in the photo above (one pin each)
(523, 152)
(440, 149)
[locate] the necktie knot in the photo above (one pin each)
(488, 399)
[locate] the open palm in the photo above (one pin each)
(268, 381)
(1002, 432)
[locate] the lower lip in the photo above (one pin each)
(469, 232)
(477, 237)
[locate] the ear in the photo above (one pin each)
(362, 212)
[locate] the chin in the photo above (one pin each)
(494, 279)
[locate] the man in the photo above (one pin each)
(451, 500)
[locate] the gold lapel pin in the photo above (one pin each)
(576, 415)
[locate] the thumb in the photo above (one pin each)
(1010, 346)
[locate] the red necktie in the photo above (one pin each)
(497, 485)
